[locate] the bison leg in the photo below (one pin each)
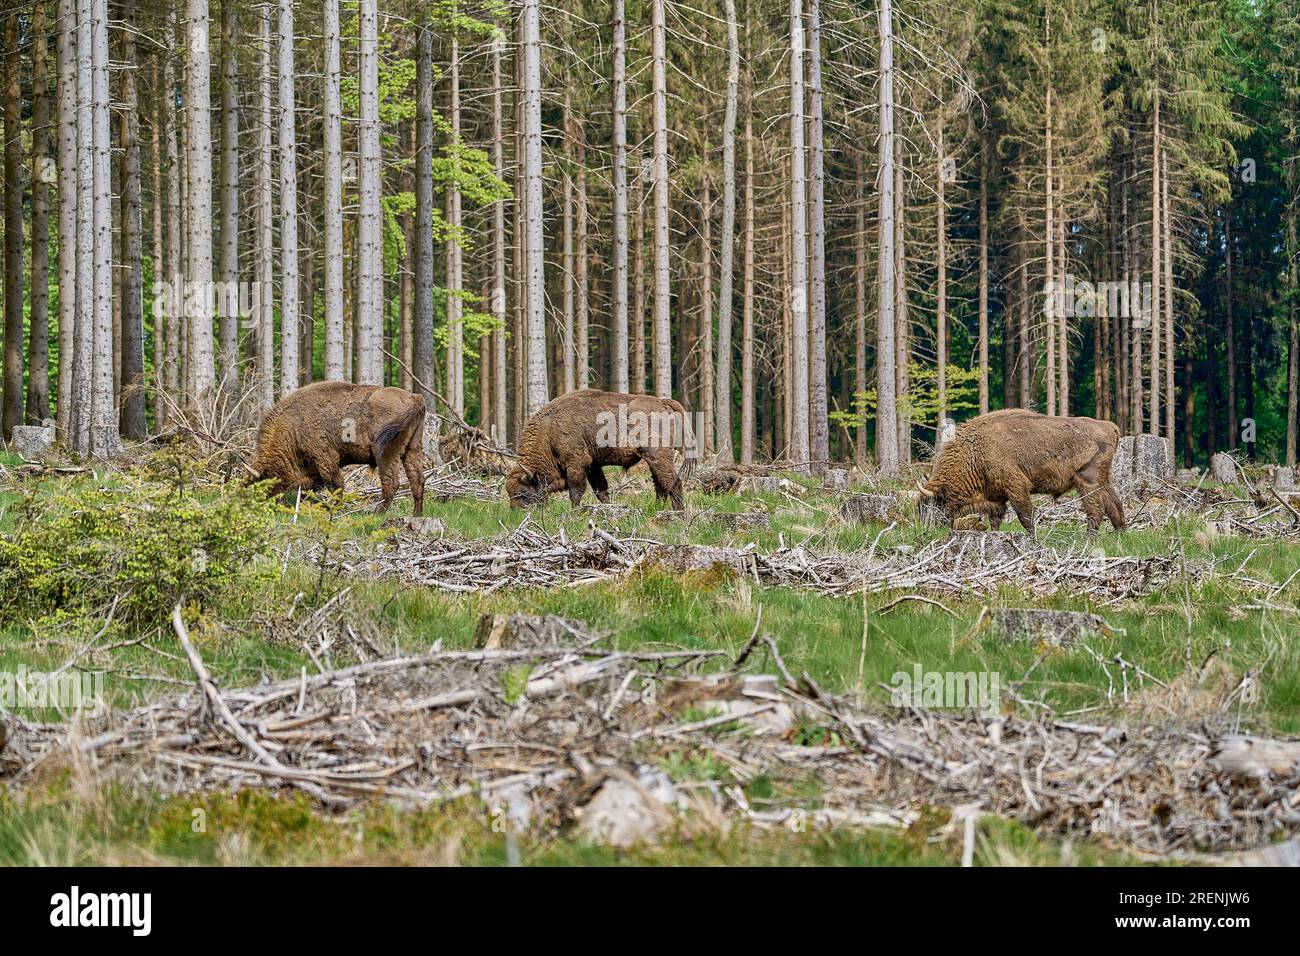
(576, 480)
(596, 476)
(388, 481)
(661, 463)
(413, 461)
(1092, 506)
(1114, 510)
(1022, 503)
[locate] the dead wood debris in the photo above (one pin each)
(964, 563)
(547, 729)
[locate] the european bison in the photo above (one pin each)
(570, 440)
(1008, 456)
(311, 434)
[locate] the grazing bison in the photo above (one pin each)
(1010, 455)
(311, 434)
(569, 441)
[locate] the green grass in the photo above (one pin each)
(253, 828)
(846, 644)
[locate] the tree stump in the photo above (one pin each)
(1223, 468)
(31, 442)
(1039, 626)
(871, 509)
(1140, 457)
(837, 479)
(742, 520)
(697, 557)
(1283, 478)
(507, 631)
(612, 512)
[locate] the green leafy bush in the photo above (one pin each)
(144, 545)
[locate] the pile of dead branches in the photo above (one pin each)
(578, 733)
(962, 564)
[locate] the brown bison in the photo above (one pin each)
(570, 440)
(1010, 455)
(308, 437)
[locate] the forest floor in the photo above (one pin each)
(1195, 642)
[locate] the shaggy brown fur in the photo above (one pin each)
(568, 442)
(1008, 456)
(310, 435)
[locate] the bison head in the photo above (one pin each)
(961, 512)
(525, 487)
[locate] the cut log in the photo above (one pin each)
(513, 631)
(1038, 626)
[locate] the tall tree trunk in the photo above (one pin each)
(568, 337)
(105, 440)
(886, 402)
(662, 291)
(13, 201)
(799, 447)
(1049, 249)
(66, 47)
(43, 174)
(499, 258)
(1168, 261)
(581, 278)
(618, 290)
(984, 280)
(333, 148)
(263, 246)
(228, 323)
(176, 270)
(722, 401)
(289, 292)
(422, 333)
(1157, 383)
(747, 384)
(83, 370)
(860, 312)
(200, 361)
(902, 320)
(941, 301)
(455, 328)
(1293, 304)
(638, 380)
(818, 412)
(538, 389)
(705, 344)
(1229, 297)
(1062, 319)
(132, 415)
(289, 304)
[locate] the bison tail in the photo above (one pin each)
(690, 448)
(399, 426)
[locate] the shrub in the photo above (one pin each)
(142, 544)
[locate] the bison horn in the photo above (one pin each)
(925, 492)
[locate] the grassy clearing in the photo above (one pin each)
(846, 644)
